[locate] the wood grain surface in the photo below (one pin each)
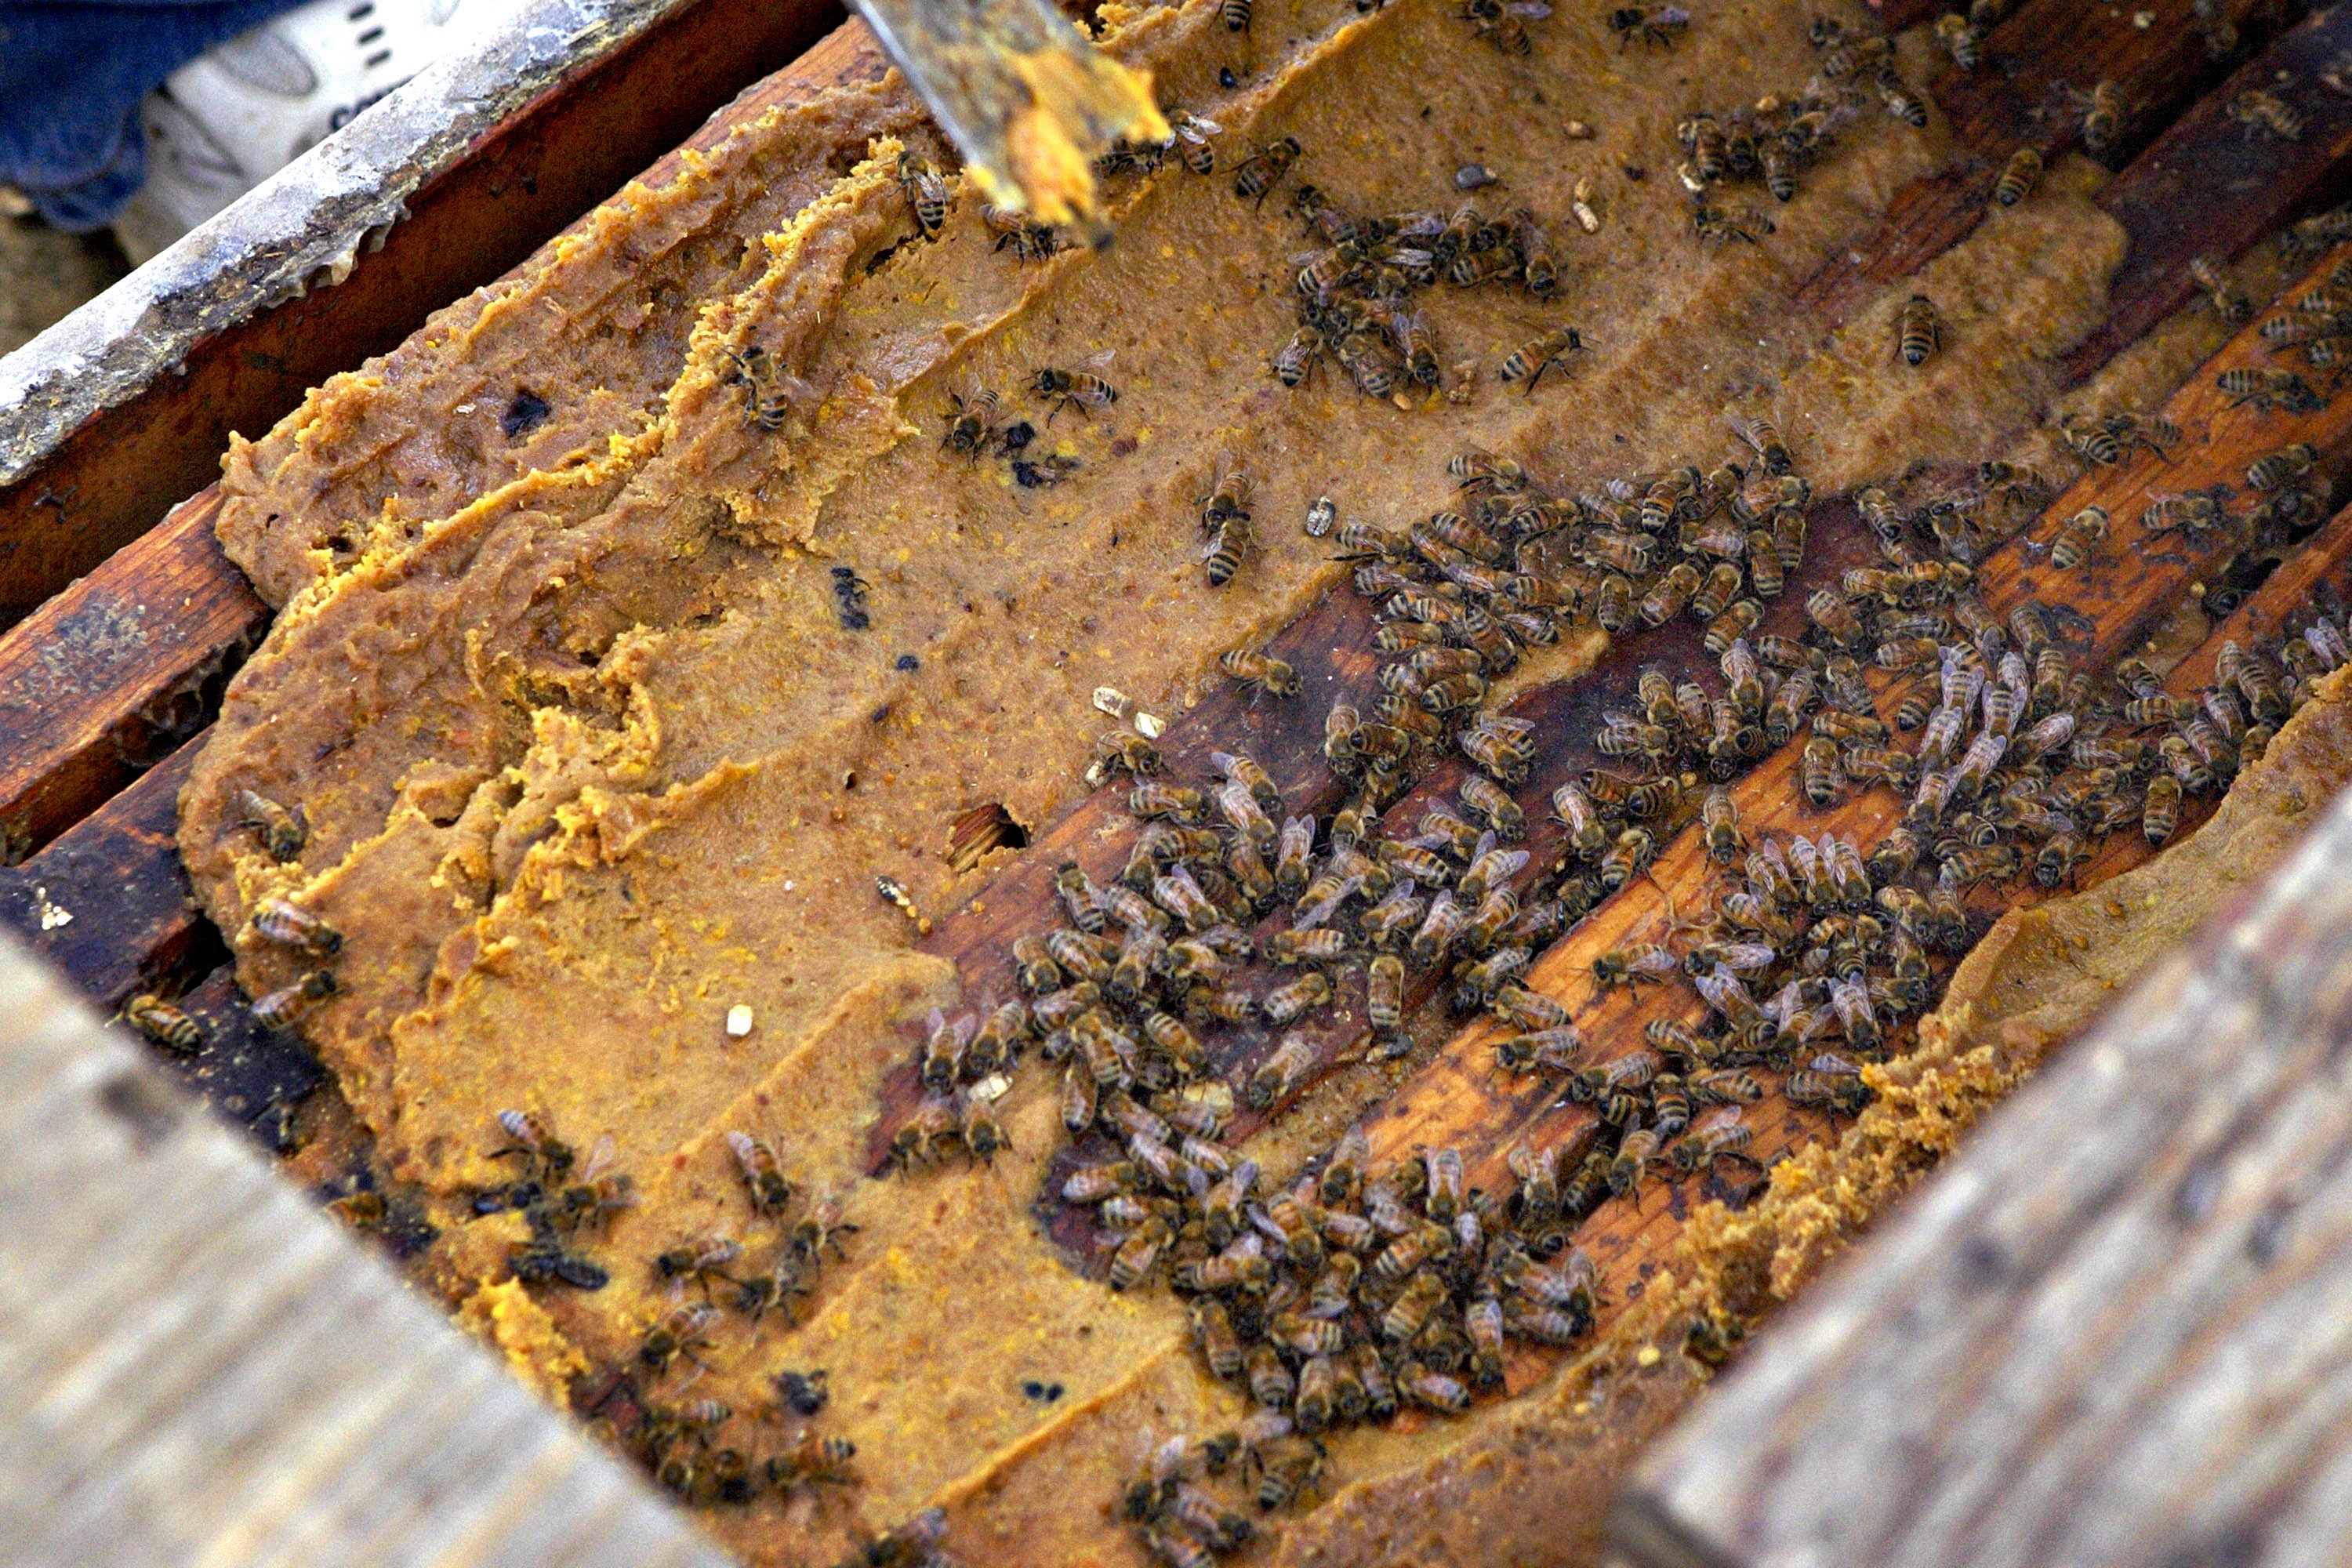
(146, 1255)
(2117, 1330)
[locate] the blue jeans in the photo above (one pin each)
(71, 75)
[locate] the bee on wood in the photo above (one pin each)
(2103, 115)
(970, 423)
(926, 192)
(1702, 137)
(2194, 513)
(931, 1125)
(817, 1459)
(1840, 1092)
(282, 832)
(1285, 1003)
(290, 1005)
(1722, 1132)
(1631, 965)
(1959, 39)
(1627, 856)
(1261, 671)
(1651, 23)
(2229, 301)
(1715, 596)
(943, 1051)
(289, 925)
(983, 1134)
(1894, 95)
(2017, 177)
(2266, 113)
(1081, 390)
(1918, 332)
(2160, 808)
(1491, 802)
(1264, 168)
(1138, 1256)
(1283, 1073)
(2283, 466)
(1528, 362)
(2072, 546)
(1719, 818)
(163, 1023)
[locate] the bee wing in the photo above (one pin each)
(1099, 360)
(745, 1146)
(965, 1028)
(1198, 128)
(517, 1125)
(1831, 1063)
(599, 1158)
(1533, 10)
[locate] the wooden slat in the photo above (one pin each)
(118, 669)
(200, 1368)
(2203, 187)
(107, 902)
(111, 480)
(2112, 1331)
(2239, 185)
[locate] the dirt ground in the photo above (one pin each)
(44, 273)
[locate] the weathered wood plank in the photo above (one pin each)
(117, 670)
(107, 903)
(2113, 1331)
(200, 1367)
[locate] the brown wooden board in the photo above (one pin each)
(116, 670)
(111, 480)
(107, 903)
(2201, 185)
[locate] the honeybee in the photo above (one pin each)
(2229, 300)
(926, 192)
(1263, 169)
(1193, 135)
(1952, 31)
(1260, 670)
(1296, 361)
(702, 1260)
(1528, 362)
(2190, 513)
(769, 390)
(1501, 747)
(1720, 817)
(678, 1334)
(1631, 852)
(1702, 137)
(1820, 769)
(2103, 114)
(1285, 1003)
(282, 832)
(1235, 14)
(1633, 963)
(1668, 597)
(821, 1459)
(1492, 803)
(1651, 23)
(1283, 1073)
(2085, 528)
(1539, 269)
(931, 1124)
(762, 1174)
(2160, 808)
(1918, 332)
(1081, 390)
(1835, 617)
(163, 1023)
(2283, 466)
(290, 1005)
(970, 423)
(2267, 114)
(1288, 1466)
(2017, 177)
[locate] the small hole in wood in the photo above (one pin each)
(980, 830)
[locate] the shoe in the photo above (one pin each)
(231, 118)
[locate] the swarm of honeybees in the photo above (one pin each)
(1773, 140)
(1355, 292)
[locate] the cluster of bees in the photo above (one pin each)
(973, 429)
(276, 920)
(685, 1446)
(2319, 323)
(1355, 293)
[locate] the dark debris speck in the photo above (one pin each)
(527, 413)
